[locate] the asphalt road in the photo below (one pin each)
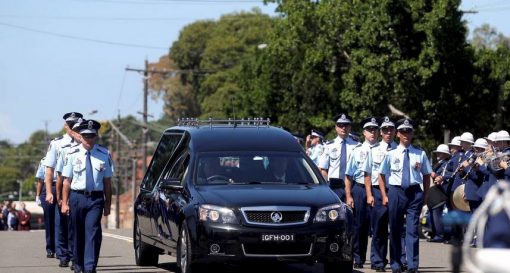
(23, 252)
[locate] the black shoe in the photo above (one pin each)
(72, 266)
(396, 271)
(404, 267)
(50, 254)
(380, 269)
(412, 270)
(63, 263)
(90, 271)
(357, 265)
(435, 240)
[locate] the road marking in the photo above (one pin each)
(120, 237)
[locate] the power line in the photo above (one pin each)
(95, 18)
(81, 38)
(166, 2)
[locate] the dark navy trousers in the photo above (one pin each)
(86, 213)
(406, 203)
(49, 220)
(379, 225)
(64, 249)
(361, 223)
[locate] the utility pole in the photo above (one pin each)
(146, 76)
(117, 182)
(46, 140)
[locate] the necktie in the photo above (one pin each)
(89, 176)
(343, 160)
(405, 170)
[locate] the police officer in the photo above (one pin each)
(314, 147)
(378, 212)
(55, 149)
(48, 210)
(356, 195)
(87, 194)
(59, 186)
(337, 152)
(404, 169)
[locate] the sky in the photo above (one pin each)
(59, 56)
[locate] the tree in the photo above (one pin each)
(492, 78)
(207, 59)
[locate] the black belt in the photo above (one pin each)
(89, 193)
(410, 186)
(359, 184)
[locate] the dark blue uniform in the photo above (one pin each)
(445, 169)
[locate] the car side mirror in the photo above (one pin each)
(171, 184)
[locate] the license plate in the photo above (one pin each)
(277, 237)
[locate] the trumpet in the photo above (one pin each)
(495, 160)
(485, 156)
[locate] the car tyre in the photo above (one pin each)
(338, 267)
(184, 252)
(145, 254)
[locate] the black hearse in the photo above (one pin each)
(222, 191)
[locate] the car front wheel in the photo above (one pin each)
(145, 254)
(184, 255)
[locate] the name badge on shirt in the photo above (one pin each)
(396, 164)
(417, 166)
(101, 167)
(334, 154)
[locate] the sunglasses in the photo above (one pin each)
(372, 129)
(387, 129)
(88, 136)
(342, 125)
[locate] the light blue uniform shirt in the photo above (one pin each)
(330, 159)
(375, 158)
(391, 166)
(41, 170)
(315, 152)
(54, 151)
(358, 159)
(74, 167)
(63, 155)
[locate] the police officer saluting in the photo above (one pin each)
(403, 170)
(87, 194)
(314, 147)
(333, 161)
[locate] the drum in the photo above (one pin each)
(436, 197)
(458, 200)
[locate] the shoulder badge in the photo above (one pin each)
(102, 149)
(329, 142)
(58, 138)
(73, 151)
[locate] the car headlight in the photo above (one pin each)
(331, 213)
(216, 214)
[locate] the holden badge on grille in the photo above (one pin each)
(276, 216)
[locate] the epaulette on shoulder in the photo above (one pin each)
(75, 144)
(73, 151)
(329, 142)
(67, 145)
(417, 147)
(103, 149)
(358, 144)
(58, 138)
